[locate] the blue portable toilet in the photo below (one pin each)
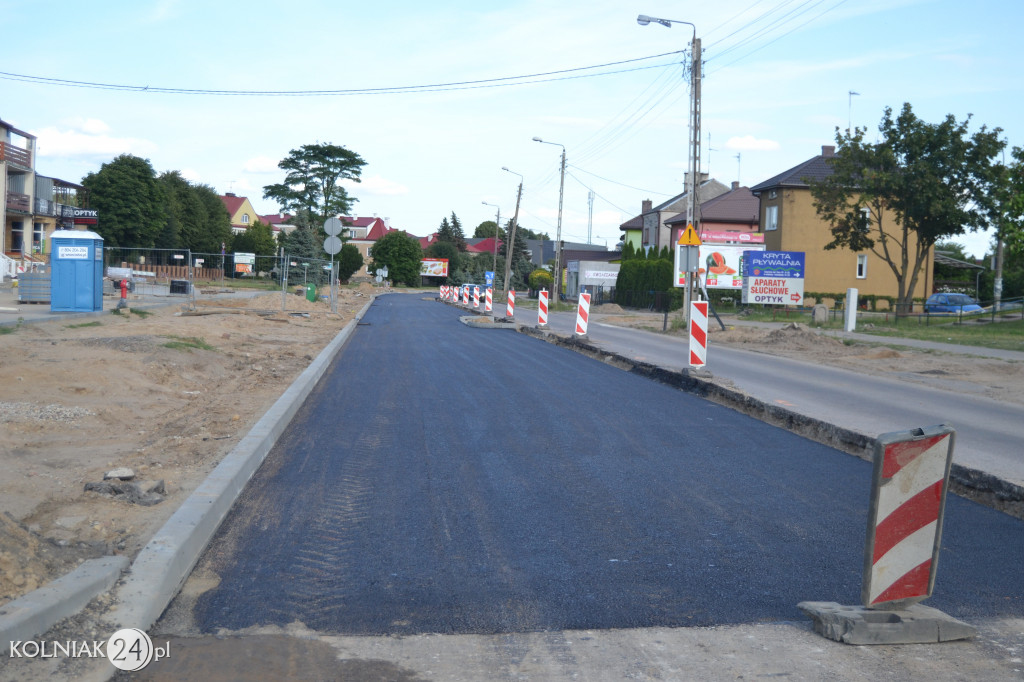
(76, 271)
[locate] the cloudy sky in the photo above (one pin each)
(438, 97)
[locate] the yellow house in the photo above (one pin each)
(241, 211)
(790, 223)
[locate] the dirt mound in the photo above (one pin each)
(26, 560)
(796, 336)
(882, 354)
(608, 308)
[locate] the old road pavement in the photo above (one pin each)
(455, 503)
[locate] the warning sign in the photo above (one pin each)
(689, 237)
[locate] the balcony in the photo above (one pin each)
(16, 201)
(45, 207)
(16, 156)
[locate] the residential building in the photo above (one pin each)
(790, 223)
(280, 223)
(653, 220)
(241, 211)
(363, 232)
(34, 206)
(735, 211)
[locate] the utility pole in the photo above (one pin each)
(590, 215)
(511, 243)
(558, 235)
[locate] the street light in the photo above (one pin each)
(497, 226)
(510, 243)
(693, 207)
(558, 233)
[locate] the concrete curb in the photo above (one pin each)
(39, 610)
(165, 562)
(979, 486)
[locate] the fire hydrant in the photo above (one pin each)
(123, 303)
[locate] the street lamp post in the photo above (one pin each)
(558, 233)
(693, 205)
(497, 226)
(510, 244)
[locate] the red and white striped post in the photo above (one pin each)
(510, 306)
(698, 333)
(465, 294)
(582, 315)
(908, 498)
(488, 300)
(542, 308)
(476, 297)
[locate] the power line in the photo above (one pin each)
(504, 81)
(639, 189)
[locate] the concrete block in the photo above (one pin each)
(917, 624)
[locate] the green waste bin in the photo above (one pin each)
(311, 292)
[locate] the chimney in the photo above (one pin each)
(735, 185)
(828, 151)
(229, 194)
(646, 205)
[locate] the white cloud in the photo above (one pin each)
(375, 185)
(192, 175)
(261, 164)
(751, 143)
(89, 142)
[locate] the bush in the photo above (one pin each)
(541, 279)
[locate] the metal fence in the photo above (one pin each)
(166, 274)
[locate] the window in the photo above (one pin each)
(245, 218)
(862, 266)
(771, 218)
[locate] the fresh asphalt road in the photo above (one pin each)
(989, 433)
(392, 504)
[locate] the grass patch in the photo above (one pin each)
(188, 343)
(9, 329)
(84, 324)
(1000, 335)
(142, 314)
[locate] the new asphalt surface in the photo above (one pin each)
(447, 479)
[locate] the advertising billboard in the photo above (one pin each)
(773, 277)
(720, 265)
(245, 263)
(434, 267)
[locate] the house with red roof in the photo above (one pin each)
(241, 211)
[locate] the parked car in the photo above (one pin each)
(951, 303)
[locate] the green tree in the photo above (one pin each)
(919, 184)
(485, 230)
(195, 216)
(452, 232)
(401, 255)
(349, 262)
(311, 184)
(628, 252)
(258, 238)
(302, 245)
(522, 259)
(130, 201)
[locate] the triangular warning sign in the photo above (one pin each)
(689, 237)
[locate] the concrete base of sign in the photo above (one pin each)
(543, 326)
(917, 624)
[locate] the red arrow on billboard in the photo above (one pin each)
(795, 296)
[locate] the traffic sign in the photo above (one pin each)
(332, 245)
(332, 226)
(689, 237)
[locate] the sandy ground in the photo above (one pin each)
(167, 395)
(79, 400)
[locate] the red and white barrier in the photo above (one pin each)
(510, 306)
(908, 498)
(488, 300)
(582, 314)
(476, 297)
(542, 308)
(698, 333)
(465, 295)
